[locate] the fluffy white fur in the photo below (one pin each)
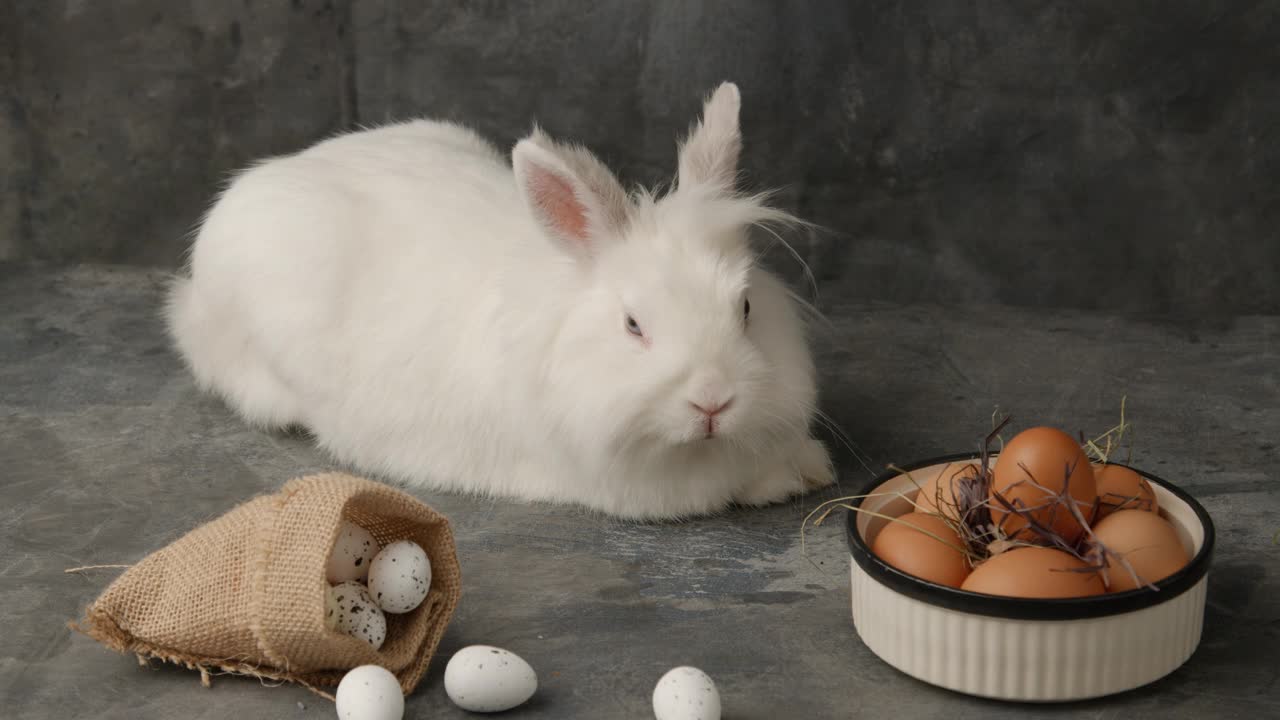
(437, 316)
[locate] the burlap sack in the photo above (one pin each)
(245, 592)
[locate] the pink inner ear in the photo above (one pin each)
(559, 204)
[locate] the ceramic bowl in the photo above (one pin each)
(1030, 650)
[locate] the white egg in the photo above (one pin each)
(351, 554)
(350, 609)
(686, 693)
(400, 576)
(482, 678)
(369, 692)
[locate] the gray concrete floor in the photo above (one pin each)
(107, 452)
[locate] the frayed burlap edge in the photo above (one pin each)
(103, 628)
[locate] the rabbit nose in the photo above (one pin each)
(711, 393)
(713, 408)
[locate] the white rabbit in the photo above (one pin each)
(438, 317)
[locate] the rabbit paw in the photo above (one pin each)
(808, 469)
(814, 463)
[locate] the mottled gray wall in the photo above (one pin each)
(1087, 154)
(125, 116)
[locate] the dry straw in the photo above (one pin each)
(968, 511)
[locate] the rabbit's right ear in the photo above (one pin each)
(571, 194)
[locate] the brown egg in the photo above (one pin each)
(1042, 456)
(1120, 488)
(1034, 572)
(1147, 541)
(903, 545)
(938, 492)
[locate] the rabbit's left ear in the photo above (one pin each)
(710, 154)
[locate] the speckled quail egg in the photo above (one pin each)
(350, 609)
(482, 678)
(352, 552)
(369, 692)
(400, 576)
(686, 693)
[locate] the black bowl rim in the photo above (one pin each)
(1027, 608)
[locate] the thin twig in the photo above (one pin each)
(94, 567)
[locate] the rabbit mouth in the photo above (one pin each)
(712, 430)
(702, 432)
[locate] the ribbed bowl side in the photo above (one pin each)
(1025, 660)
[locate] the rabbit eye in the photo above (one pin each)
(746, 309)
(633, 327)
